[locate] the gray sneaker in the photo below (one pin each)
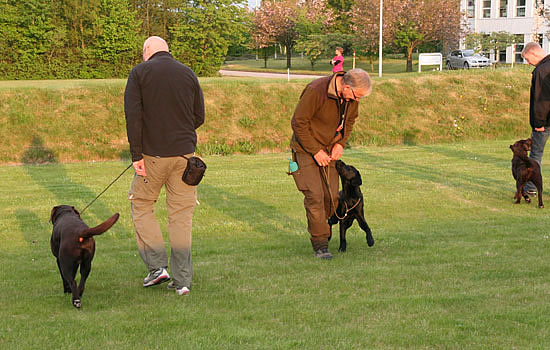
(158, 276)
(323, 253)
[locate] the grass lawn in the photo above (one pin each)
(456, 264)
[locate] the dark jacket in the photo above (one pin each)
(163, 103)
(316, 117)
(539, 104)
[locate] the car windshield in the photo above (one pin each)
(468, 53)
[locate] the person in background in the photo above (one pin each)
(539, 103)
(338, 61)
(163, 104)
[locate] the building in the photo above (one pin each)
(524, 18)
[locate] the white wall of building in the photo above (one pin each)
(527, 27)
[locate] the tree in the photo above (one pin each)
(118, 38)
(262, 35)
(313, 48)
(285, 21)
(204, 30)
(277, 19)
(494, 42)
(407, 37)
(27, 36)
(409, 23)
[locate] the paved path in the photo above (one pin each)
(234, 73)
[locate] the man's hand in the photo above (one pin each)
(322, 158)
(541, 129)
(140, 167)
(337, 151)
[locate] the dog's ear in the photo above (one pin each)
(356, 181)
(76, 211)
(52, 214)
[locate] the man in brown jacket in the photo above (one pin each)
(322, 123)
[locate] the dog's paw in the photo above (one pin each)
(77, 303)
(541, 206)
(370, 242)
(343, 247)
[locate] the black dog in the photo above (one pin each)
(350, 204)
(525, 169)
(73, 244)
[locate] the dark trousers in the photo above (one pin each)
(309, 179)
(537, 151)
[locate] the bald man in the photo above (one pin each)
(539, 103)
(164, 105)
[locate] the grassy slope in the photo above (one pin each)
(456, 265)
(84, 120)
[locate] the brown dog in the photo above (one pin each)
(73, 244)
(524, 170)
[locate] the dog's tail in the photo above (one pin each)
(93, 231)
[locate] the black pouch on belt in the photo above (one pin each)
(194, 171)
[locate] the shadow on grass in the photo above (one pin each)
(488, 187)
(55, 179)
(261, 217)
(466, 155)
(31, 225)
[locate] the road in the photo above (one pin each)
(233, 73)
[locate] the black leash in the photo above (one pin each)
(99, 195)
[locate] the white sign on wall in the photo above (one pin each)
(430, 59)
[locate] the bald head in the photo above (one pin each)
(533, 53)
(153, 45)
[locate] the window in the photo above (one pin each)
(471, 8)
(487, 8)
(519, 46)
(539, 38)
(520, 8)
(503, 10)
(502, 56)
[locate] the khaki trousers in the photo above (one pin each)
(180, 202)
(309, 181)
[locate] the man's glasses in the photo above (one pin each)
(354, 96)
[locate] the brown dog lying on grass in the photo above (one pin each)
(524, 170)
(73, 244)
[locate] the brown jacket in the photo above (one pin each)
(316, 118)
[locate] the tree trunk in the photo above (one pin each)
(288, 56)
(410, 58)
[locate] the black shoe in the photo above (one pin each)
(530, 193)
(323, 253)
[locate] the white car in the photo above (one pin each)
(466, 59)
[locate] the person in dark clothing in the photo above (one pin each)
(539, 103)
(163, 104)
(322, 123)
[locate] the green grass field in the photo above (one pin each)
(456, 264)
